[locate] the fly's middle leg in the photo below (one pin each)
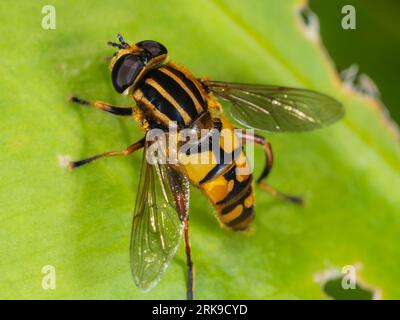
(127, 151)
(260, 140)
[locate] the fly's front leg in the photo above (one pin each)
(119, 111)
(127, 151)
(260, 140)
(190, 280)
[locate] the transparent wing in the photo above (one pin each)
(162, 205)
(278, 109)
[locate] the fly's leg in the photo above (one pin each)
(286, 197)
(190, 280)
(260, 140)
(127, 111)
(127, 151)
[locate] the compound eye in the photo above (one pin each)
(155, 48)
(125, 71)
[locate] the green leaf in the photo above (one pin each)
(80, 222)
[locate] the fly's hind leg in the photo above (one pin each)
(127, 151)
(119, 111)
(286, 197)
(260, 140)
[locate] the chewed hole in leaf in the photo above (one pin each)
(333, 289)
(345, 285)
(310, 23)
(360, 82)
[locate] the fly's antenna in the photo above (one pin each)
(121, 45)
(121, 39)
(113, 44)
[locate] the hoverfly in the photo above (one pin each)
(164, 92)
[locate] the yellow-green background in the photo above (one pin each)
(80, 222)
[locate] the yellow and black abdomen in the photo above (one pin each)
(232, 196)
(227, 184)
(170, 93)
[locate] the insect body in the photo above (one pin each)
(227, 184)
(170, 93)
(166, 93)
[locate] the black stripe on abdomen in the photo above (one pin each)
(176, 91)
(238, 187)
(246, 212)
(239, 200)
(222, 163)
(161, 104)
